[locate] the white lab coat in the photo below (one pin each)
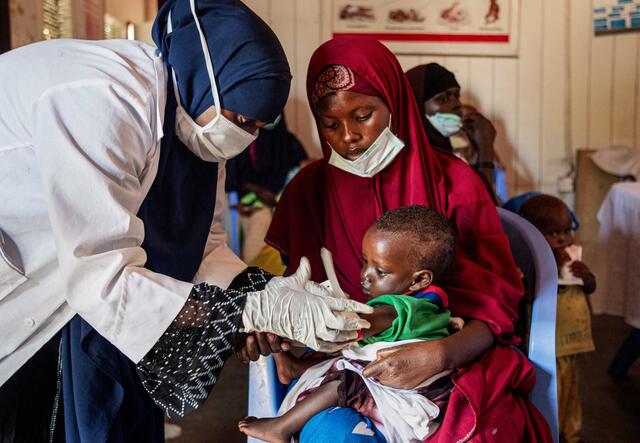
(80, 130)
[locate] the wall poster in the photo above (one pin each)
(456, 27)
(611, 16)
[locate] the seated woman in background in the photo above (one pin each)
(376, 159)
(258, 175)
(443, 116)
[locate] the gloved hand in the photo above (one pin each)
(303, 311)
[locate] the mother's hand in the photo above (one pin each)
(249, 347)
(409, 365)
(406, 366)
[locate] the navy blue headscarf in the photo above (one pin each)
(249, 64)
(103, 397)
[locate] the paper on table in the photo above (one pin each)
(566, 277)
(334, 285)
(330, 270)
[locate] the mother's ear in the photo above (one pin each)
(421, 279)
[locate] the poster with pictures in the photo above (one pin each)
(611, 16)
(458, 27)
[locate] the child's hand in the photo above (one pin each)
(561, 256)
(580, 270)
(455, 324)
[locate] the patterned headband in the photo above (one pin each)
(334, 78)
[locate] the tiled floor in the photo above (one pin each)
(611, 410)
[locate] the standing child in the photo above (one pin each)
(573, 321)
(403, 252)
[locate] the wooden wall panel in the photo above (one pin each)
(285, 25)
(408, 61)
(554, 142)
(623, 103)
(601, 92)
(460, 67)
(481, 81)
(505, 113)
(308, 38)
(580, 38)
(636, 130)
(566, 90)
(527, 161)
(26, 22)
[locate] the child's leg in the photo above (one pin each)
(280, 429)
(627, 354)
(290, 367)
(569, 408)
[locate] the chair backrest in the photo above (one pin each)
(535, 259)
(232, 222)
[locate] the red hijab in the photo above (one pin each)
(325, 206)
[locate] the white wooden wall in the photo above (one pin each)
(566, 90)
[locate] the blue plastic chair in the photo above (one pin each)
(535, 259)
(233, 228)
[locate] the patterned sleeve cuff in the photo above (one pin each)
(184, 365)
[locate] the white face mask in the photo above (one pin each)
(382, 151)
(445, 124)
(220, 139)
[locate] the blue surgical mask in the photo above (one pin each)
(271, 126)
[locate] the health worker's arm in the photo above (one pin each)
(219, 264)
(97, 151)
(95, 145)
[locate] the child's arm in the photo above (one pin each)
(290, 367)
(381, 319)
(580, 270)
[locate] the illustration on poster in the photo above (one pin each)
(351, 12)
(454, 14)
(493, 14)
(402, 15)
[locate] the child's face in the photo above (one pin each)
(389, 266)
(558, 232)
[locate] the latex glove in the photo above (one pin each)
(303, 311)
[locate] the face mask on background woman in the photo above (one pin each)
(445, 123)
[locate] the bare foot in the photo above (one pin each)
(288, 367)
(266, 429)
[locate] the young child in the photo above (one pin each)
(573, 319)
(403, 252)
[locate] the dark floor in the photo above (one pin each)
(611, 410)
(217, 419)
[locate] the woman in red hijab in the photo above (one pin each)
(377, 158)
